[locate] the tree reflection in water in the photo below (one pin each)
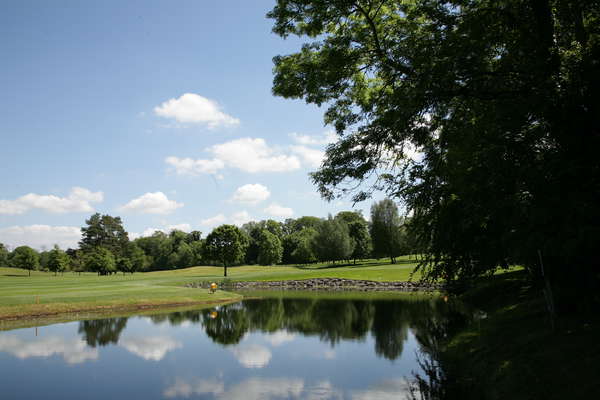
(101, 332)
(332, 320)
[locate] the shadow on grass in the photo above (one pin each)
(360, 264)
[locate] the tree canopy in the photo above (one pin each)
(25, 257)
(226, 244)
(483, 117)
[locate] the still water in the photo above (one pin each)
(270, 348)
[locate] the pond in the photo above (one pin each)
(278, 347)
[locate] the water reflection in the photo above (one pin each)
(150, 348)
(274, 348)
(73, 351)
(101, 332)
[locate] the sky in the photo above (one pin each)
(160, 112)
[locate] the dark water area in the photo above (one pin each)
(272, 348)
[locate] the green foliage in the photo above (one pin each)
(333, 242)
(359, 233)
(386, 229)
(270, 249)
(3, 256)
(58, 260)
(25, 257)
(175, 250)
(100, 260)
(501, 99)
(106, 232)
(226, 244)
(304, 252)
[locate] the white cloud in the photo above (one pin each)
(193, 108)
(189, 166)
(279, 211)
(254, 155)
(151, 203)
(251, 194)
(213, 221)
(384, 390)
(323, 390)
(73, 351)
(312, 140)
(240, 218)
(78, 200)
(181, 388)
(312, 157)
(179, 227)
(249, 389)
(252, 356)
(251, 155)
(150, 348)
(39, 236)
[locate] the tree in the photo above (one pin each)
(136, 257)
(106, 232)
(304, 251)
(25, 257)
(358, 231)
(100, 260)
(227, 245)
(3, 256)
(332, 241)
(385, 229)
(58, 260)
(501, 100)
(270, 250)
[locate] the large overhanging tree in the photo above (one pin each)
(500, 102)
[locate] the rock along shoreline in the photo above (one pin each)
(326, 284)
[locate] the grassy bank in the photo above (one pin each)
(43, 294)
(513, 353)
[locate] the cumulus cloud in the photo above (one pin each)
(189, 166)
(182, 388)
(39, 236)
(252, 155)
(276, 210)
(78, 200)
(240, 218)
(213, 221)
(151, 203)
(384, 390)
(311, 157)
(179, 227)
(252, 356)
(249, 389)
(196, 109)
(150, 348)
(251, 194)
(73, 351)
(315, 140)
(150, 231)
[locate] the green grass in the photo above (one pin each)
(514, 354)
(20, 293)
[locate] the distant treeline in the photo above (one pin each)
(105, 246)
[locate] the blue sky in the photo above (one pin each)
(160, 112)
